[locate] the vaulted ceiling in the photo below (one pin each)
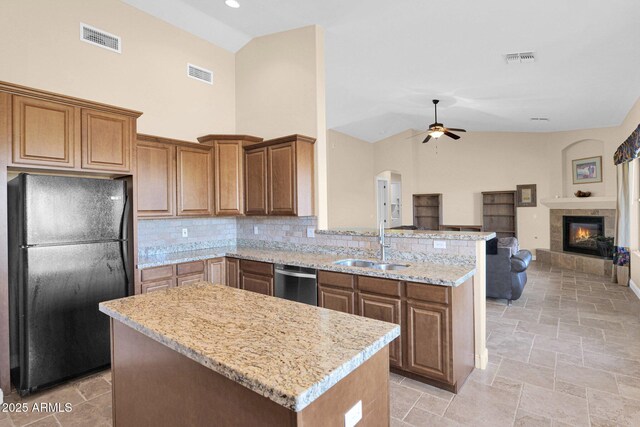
(386, 60)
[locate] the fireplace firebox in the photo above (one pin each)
(580, 233)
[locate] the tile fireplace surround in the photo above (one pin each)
(573, 261)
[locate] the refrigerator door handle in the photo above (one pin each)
(124, 232)
(124, 245)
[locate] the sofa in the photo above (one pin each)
(506, 269)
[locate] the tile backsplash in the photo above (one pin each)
(290, 233)
(165, 235)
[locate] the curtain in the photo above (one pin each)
(620, 271)
(626, 152)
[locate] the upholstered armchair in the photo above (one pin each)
(506, 269)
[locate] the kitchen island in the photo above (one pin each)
(212, 355)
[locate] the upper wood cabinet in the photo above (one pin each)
(280, 171)
(228, 171)
(155, 169)
(45, 132)
(57, 132)
(255, 181)
(194, 181)
(106, 141)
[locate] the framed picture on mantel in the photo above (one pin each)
(526, 196)
(587, 170)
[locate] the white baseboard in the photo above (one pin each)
(634, 288)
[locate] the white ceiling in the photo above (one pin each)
(386, 60)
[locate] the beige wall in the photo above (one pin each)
(280, 86)
(149, 75)
(351, 191)
(486, 161)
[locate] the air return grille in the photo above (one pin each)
(199, 73)
(520, 57)
(100, 38)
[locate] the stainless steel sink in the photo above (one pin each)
(388, 266)
(354, 263)
(370, 264)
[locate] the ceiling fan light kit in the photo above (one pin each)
(436, 130)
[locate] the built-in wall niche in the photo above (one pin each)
(580, 150)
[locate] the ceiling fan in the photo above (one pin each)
(436, 130)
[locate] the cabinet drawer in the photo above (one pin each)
(431, 293)
(192, 278)
(157, 286)
(190, 268)
(256, 267)
(340, 280)
(156, 273)
(379, 286)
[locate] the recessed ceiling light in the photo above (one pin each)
(232, 3)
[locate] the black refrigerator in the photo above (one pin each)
(67, 253)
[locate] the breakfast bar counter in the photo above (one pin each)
(208, 354)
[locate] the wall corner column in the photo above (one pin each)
(480, 306)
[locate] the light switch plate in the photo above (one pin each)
(255, 229)
(185, 232)
(440, 244)
(353, 415)
(311, 232)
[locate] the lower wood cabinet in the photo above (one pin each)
(387, 309)
(232, 272)
(157, 286)
(428, 336)
(336, 291)
(436, 342)
(256, 277)
(336, 299)
(190, 279)
(216, 271)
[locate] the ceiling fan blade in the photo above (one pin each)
(427, 139)
(456, 129)
(451, 135)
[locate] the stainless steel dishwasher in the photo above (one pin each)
(296, 284)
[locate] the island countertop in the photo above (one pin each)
(288, 352)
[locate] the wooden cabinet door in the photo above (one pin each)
(233, 272)
(216, 271)
(336, 299)
(387, 309)
(229, 195)
(281, 179)
(190, 279)
(255, 181)
(45, 133)
(155, 168)
(106, 141)
(256, 283)
(428, 343)
(195, 182)
(157, 286)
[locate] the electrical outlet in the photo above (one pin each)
(255, 229)
(185, 232)
(440, 244)
(311, 232)
(353, 415)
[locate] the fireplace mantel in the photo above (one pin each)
(580, 203)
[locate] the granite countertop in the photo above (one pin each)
(440, 272)
(288, 352)
(411, 234)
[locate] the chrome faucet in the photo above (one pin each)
(383, 246)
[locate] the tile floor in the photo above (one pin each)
(567, 353)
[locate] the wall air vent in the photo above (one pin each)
(100, 38)
(200, 73)
(539, 119)
(520, 57)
